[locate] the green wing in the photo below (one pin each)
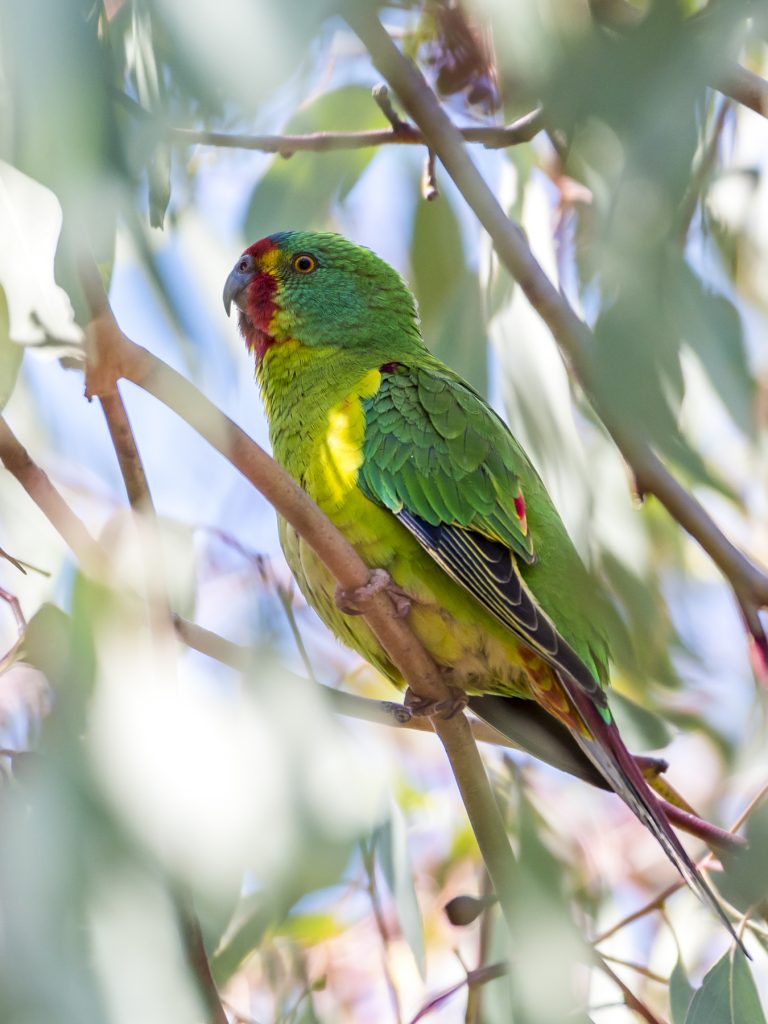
(441, 460)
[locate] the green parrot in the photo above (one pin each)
(429, 485)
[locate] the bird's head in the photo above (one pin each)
(320, 289)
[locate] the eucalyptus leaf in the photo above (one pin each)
(727, 995)
(681, 993)
(390, 842)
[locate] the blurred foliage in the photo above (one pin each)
(133, 770)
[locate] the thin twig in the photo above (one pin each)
(749, 581)
(474, 979)
(429, 189)
(14, 561)
(631, 1001)
(474, 996)
(491, 137)
(639, 968)
(381, 98)
(18, 615)
(71, 528)
(189, 927)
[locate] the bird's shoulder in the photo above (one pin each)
(433, 446)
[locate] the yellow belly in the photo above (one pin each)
(480, 654)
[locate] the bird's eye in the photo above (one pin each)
(304, 263)
(243, 266)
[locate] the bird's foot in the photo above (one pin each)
(352, 602)
(420, 707)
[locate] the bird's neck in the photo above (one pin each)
(301, 385)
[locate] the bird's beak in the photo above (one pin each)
(234, 287)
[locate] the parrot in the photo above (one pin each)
(432, 489)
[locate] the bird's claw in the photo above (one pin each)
(352, 602)
(420, 707)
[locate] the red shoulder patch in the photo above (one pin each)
(520, 509)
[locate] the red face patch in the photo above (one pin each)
(259, 303)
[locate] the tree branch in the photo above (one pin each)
(749, 581)
(118, 356)
(491, 137)
(36, 483)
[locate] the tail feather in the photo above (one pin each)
(605, 748)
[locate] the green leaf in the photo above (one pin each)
(253, 917)
(390, 841)
(10, 356)
(711, 326)
(727, 995)
(680, 994)
(448, 292)
(300, 191)
(546, 945)
(151, 91)
(641, 728)
(744, 883)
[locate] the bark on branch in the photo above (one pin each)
(491, 137)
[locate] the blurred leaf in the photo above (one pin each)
(546, 945)
(235, 52)
(727, 995)
(30, 224)
(390, 841)
(448, 292)
(640, 728)
(298, 192)
(254, 916)
(159, 175)
(712, 327)
(680, 994)
(308, 929)
(64, 132)
(10, 355)
(637, 366)
(744, 882)
(643, 648)
(151, 92)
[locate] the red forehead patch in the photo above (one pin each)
(260, 248)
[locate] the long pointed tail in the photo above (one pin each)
(605, 749)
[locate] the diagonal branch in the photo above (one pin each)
(749, 581)
(36, 483)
